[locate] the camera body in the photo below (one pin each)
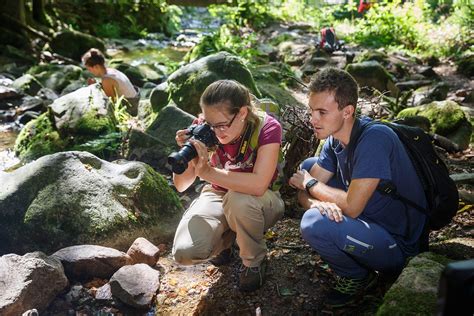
(202, 132)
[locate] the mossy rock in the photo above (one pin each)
(56, 77)
(27, 84)
(74, 44)
(133, 73)
(373, 75)
(38, 138)
(159, 97)
(372, 55)
(415, 291)
(447, 119)
(187, 84)
(74, 197)
(466, 64)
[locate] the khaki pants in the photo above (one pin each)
(215, 219)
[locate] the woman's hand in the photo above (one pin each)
(181, 137)
(299, 179)
(91, 81)
(201, 162)
(331, 210)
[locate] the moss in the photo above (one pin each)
(94, 124)
(414, 303)
(38, 138)
(445, 116)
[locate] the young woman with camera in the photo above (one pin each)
(114, 82)
(238, 203)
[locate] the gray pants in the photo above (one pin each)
(215, 219)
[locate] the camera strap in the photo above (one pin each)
(244, 144)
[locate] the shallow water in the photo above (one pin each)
(7, 141)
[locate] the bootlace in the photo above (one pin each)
(348, 285)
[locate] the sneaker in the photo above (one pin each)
(225, 257)
(252, 279)
(347, 290)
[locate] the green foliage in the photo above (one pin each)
(255, 14)
(108, 30)
(228, 38)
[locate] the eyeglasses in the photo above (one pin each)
(223, 127)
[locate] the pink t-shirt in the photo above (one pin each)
(226, 154)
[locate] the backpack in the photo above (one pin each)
(328, 40)
(440, 190)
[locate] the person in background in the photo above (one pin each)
(239, 202)
(114, 83)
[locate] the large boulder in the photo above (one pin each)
(74, 197)
(465, 64)
(153, 145)
(447, 119)
(74, 44)
(373, 75)
(415, 291)
(73, 120)
(187, 84)
(56, 77)
(29, 281)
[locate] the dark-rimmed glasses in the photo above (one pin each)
(223, 127)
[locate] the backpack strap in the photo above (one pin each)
(386, 188)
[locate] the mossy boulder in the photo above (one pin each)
(466, 64)
(153, 145)
(133, 73)
(372, 55)
(447, 119)
(415, 291)
(187, 84)
(159, 97)
(74, 44)
(372, 74)
(79, 120)
(71, 198)
(56, 77)
(27, 84)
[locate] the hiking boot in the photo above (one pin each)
(252, 279)
(347, 290)
(225, 257)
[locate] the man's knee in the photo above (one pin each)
(314, 225)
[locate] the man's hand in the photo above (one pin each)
(299, 179)
(331, 210)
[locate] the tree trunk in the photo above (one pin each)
(10, 33)
(39, 14)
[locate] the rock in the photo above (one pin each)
(56, 77)
(29, 281)
(187, 84)
(90, 261)
(412, 84)
(456, 249)
(133, 73)
(27, 84)
(73, 86)
(104, 293)
(415, 291)
(27, 116)
(74, 44)
(447, 119)
(428, 72)
(372, 74)
(76, 119)
(155, 144)
(465, 64)
(159, 97)
(312, 65)
(293, 53)
(8, 93)
(47, 95)
(143, 251)
(74, 197)
(135, 285)
(372, 55)
(439, 92)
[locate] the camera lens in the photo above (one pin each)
(179, 160)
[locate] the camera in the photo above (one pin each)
(202, 132)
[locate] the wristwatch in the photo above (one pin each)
(311, 183)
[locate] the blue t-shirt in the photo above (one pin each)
(380, 154)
